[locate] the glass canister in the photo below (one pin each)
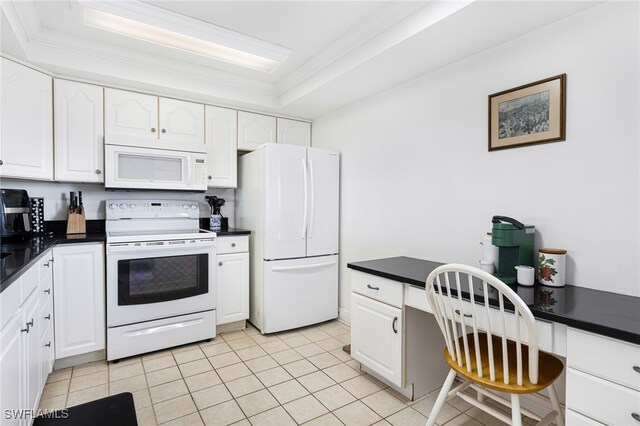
(551, 266)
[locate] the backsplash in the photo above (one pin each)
(56, 196)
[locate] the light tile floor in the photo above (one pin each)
(246, 378)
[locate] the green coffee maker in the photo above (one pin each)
(515, 246)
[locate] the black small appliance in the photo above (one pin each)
(15, 220)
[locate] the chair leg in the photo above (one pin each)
(516, 416)
(442, 397)
(555, 403)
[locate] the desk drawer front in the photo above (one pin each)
(382, 289)
(237, 244)
(600, 399)
(592, 353)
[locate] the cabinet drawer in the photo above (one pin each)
(45, 315)
(238, 244)
(592, 353)
(382, 289)
(600, 399)
(30, 280)
(573, 418)
(416, 297)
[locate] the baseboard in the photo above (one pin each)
(344, 316)
(72, 361)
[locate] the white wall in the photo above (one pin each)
(417, 179)
(56, 198)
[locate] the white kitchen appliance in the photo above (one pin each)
(160, 276)
(129, 167)
(288, 196)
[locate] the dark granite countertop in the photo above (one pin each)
(22, 253)
(609, 314)
(232, 231)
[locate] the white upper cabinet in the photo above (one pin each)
(130, 118)
(294, 132)
(136, 119)
(221, 136)
(79, 138)
(181, 123)
(255, 130)
(26, 123)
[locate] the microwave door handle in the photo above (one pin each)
(189, 160)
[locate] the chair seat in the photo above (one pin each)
(549, 369)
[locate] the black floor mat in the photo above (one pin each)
(113, 410)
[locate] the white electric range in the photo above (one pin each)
(160, 276)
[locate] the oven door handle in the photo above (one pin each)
(164, 328)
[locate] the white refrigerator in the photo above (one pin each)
(288, 196)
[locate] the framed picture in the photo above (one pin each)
(529, 114)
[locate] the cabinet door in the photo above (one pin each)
(294, 132)
(182, 125)
(232, 286)
(376, 337)
(79, 138)
(255, 130)
(130, 118)
(222, 136)
(12, 363)
(32, 351)
(79, 302)
(26, 123)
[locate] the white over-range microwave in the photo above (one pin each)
(129, 167)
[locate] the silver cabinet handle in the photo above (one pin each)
(153, 130)
(210, 177)
(233, 244)
(219, 263)
(46, 264)
(466, 315)
(164, 130)
(636, 416)
(1, 162)
(636, 368)
(48, 345)
(25, 330)
(98, 171)
(48, 317)
(48, 291)
(30, 323)
(373, 288)
(394, 324)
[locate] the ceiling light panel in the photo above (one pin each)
(156, 25)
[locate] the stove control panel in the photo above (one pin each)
(144, 209)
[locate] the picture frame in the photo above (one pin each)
(527, 115)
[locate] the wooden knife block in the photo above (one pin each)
(76, 223)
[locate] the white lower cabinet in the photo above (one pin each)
(25, 361)
(603, 381)
(79, 299)
(376, 337)
(232, 279)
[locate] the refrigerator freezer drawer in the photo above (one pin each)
(299, 292)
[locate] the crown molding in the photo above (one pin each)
(18, 25)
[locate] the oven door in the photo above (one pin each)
(152, 283)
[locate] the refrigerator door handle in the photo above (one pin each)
(296, 268)
(312, 204)
(306, 198)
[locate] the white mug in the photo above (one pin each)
(487, 266)
(525, 275)
(489, 251)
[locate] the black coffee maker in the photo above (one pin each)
(15, 221)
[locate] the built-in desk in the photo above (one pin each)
(396, 341)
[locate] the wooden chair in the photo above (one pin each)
(490, 348)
